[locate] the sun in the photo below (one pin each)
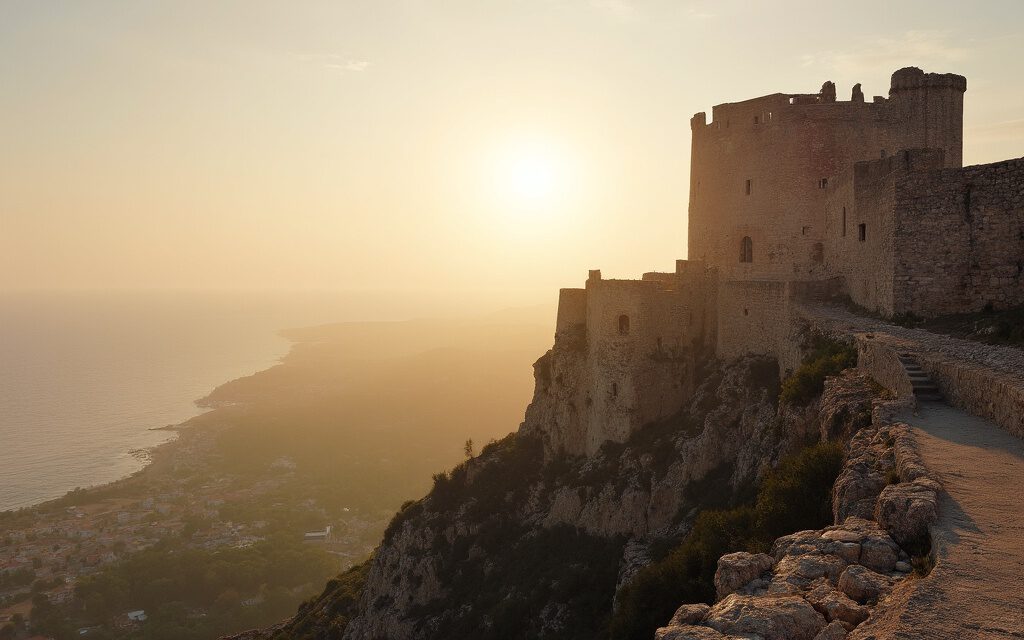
(531, 174)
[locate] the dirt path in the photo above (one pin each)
(977, 587)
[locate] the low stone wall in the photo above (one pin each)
(881, 362)
(984, 380)
(980, 391)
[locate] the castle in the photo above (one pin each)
(791, 196)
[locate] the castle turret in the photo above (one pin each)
(932, 107)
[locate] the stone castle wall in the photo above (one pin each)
(624, 356)
(934, 240)
(960, 239)
(860, 231)
(761, 168)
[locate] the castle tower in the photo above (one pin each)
(760, 169)
(932, 105)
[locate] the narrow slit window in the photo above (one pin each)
(823, 183)
(623, 325)
(844, 222)
(862, 232)
(757, 119)
(746, 250)
(805, 230)
(748, 187)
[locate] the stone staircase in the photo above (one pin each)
(924, 389)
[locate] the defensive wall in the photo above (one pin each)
(909, 236)
(640, 340)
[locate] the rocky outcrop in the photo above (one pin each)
(771, 618)
(736, 570)
(838, 573)
(449, 560)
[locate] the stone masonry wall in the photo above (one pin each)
(960, 239)
(761, 168)
(860, 242)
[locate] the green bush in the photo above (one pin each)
(827, 358)
(794, 496)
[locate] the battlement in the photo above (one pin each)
(912, 78)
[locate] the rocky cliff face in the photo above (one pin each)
(522, 541)
(828, 584)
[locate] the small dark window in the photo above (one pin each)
(822, 183)
(746, 249)
(615, 389)
(844, 222)
(805, 230)
(748, 187)
(883, 153)
(746, 312)
(862, 232)
(623, 325)
(757, 119)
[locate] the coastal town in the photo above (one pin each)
(178, 503)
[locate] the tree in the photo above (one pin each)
(467, 448)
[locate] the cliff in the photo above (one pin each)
(525, 542)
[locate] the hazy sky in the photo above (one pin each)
(442, 145)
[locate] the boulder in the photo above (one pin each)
(835, 605)
(737, 569)
(863, 585)
(907, 509)
(795, 573)
(771, 618)
(879, 553)
(834, 631)
(689, 614)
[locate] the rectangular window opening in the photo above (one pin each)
(805, 230)
(822, 183)
(862, 232)
(748, 187)
(757, 119)
(844, 222)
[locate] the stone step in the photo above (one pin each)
(931, 397)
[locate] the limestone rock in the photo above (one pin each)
(863, 585)
(795, 573)
(737, 569)
(689, 614)
(845, 405)
(879, 553)
(835, 605)
(834, 631)
(863, 476)
(771, 618)
(907, 509)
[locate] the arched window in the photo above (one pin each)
(746, 249)
(623, 325)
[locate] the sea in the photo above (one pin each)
(88, 378)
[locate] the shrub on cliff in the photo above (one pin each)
(827, 358)
(795, 495)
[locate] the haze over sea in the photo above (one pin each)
(85, 377)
